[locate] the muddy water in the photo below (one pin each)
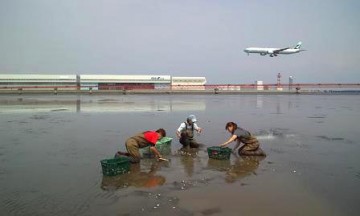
(51, 147)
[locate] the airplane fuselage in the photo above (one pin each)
(266, 51)
(274, 51)
(270, 51)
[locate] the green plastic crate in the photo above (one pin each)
(219, 153)
(164, 140)
(163, 146)
(115, 166)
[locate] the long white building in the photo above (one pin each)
(98, 82)
(38, 82)
(188, 83)
(124, 82)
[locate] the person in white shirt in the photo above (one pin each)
(185, 132)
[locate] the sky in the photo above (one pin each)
(182, 38)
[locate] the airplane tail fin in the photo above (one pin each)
(298, 45)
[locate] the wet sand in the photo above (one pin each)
(51, 147)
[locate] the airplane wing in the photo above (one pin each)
(279, 50)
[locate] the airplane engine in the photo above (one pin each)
(263, 54)
(271, 53)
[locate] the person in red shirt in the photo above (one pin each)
(142, 140)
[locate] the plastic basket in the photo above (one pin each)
(115, 166)
(219, 153)
(163, 146)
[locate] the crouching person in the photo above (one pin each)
(185, 132)
(142, 140)
(251, 146)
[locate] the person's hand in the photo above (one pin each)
(162, 159)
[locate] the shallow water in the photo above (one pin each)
(51, 147)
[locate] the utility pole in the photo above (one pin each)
(278, 87)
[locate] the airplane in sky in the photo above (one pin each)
(274, 51)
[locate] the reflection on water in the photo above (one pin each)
(97, 104)
(241, 167)
(136, 177)
(126, 103)
(219, 165)
(259, 101)
(188, 158)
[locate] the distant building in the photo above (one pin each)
(98, 82)
(37, 81)
(188, 83)
(259, 85)
(124, 82)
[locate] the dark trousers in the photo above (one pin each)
(188, 142)
(249, 151)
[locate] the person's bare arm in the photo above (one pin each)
(155, 151)
(231, 139)
(178, 134)
(178, 131)
(197, 128)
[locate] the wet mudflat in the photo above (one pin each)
(51, 147)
